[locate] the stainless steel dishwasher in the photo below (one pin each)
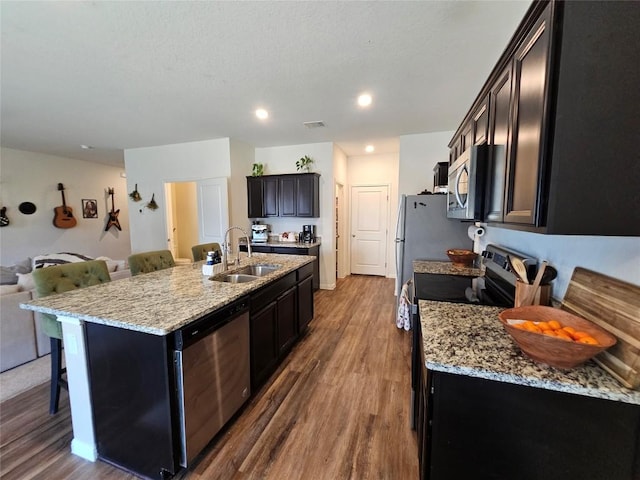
(212, 374)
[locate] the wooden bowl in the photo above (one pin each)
(462, 258)
(553, 351)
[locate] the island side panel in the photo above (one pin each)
(134, 404)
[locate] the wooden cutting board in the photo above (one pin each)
(615, 306)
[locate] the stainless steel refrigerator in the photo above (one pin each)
(424, 232)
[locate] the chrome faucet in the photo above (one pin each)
(225, 247)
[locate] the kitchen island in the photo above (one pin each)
(487, 411)
(134, 324)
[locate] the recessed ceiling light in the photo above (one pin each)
(369, 148)
(86, 147)
(364, 100)
(262, 114)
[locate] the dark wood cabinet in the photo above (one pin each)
(290, 195)
(262, 197)
(264, 350)
(480, 123)
(563, 116)
(305, 303)
(499, 139)
(530, 66)
(270, 197)
(287, 306)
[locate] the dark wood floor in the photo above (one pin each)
(337, 408)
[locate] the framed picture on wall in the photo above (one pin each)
(89, 208)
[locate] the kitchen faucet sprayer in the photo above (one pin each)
(225, 247)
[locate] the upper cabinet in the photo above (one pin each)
(289, 195)
(562, 112)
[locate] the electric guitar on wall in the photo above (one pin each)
(63, 215)
(113, 215)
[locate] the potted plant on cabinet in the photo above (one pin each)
(304, 164)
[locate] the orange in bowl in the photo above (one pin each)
(576, 340)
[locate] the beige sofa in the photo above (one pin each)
(21, 338)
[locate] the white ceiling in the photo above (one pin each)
(119, 75)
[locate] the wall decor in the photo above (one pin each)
(152, 205)
(89, 208)
(27, 208)
(135, 196)
(4, 220)
(113, 214)
(63, 215)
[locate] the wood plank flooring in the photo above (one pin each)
(337, 408)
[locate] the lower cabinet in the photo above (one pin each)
(279, 312)
(301, 250)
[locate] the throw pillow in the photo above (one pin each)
(50, 259)
(112, 265)
(8, 274)
(25, 281)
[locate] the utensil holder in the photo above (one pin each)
(524, 293)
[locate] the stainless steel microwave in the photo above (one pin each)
(466, 184)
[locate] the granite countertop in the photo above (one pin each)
(470, 340)
(161, 302)
(445, 268)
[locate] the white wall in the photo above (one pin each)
(242, 159)
(419, 154)
(378, 170)
(34, 177)
(618, 257)
(151, 167)
(279, 160)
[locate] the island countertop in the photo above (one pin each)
(470, 340)
(161, 302)
(438, 267)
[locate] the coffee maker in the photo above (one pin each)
(308, 233)
(259, 233)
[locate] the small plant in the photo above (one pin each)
(304, 163)
(258, 170)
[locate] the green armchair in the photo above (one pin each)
(200, 251)
(147, 262)
(59, 279)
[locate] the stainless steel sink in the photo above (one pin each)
(235, 278)
(258, 270)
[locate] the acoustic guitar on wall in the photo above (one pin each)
(113, 215)
(63, 215)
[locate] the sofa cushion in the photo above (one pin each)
(25, 281)
(7, 289)
(8, 275)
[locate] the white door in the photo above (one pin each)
(213, 210)
(369, 223)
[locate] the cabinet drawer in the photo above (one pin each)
(305, 271)
(272, 291)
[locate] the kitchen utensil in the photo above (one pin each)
(614, 305)
(555, 351)
(536, 282)
(549, 275)
(518, 268)
(461, 257)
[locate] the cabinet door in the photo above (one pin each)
(500, 100)
(270, 196)
(255, 197)
(305, 303)
(530, 66)
(467, 138)
(288, 196)
(480, 123)
(287, 319)
(307, 198)
(264, 350)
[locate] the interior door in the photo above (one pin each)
(369, 224)
(213, 211)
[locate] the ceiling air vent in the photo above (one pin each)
(317, 124)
